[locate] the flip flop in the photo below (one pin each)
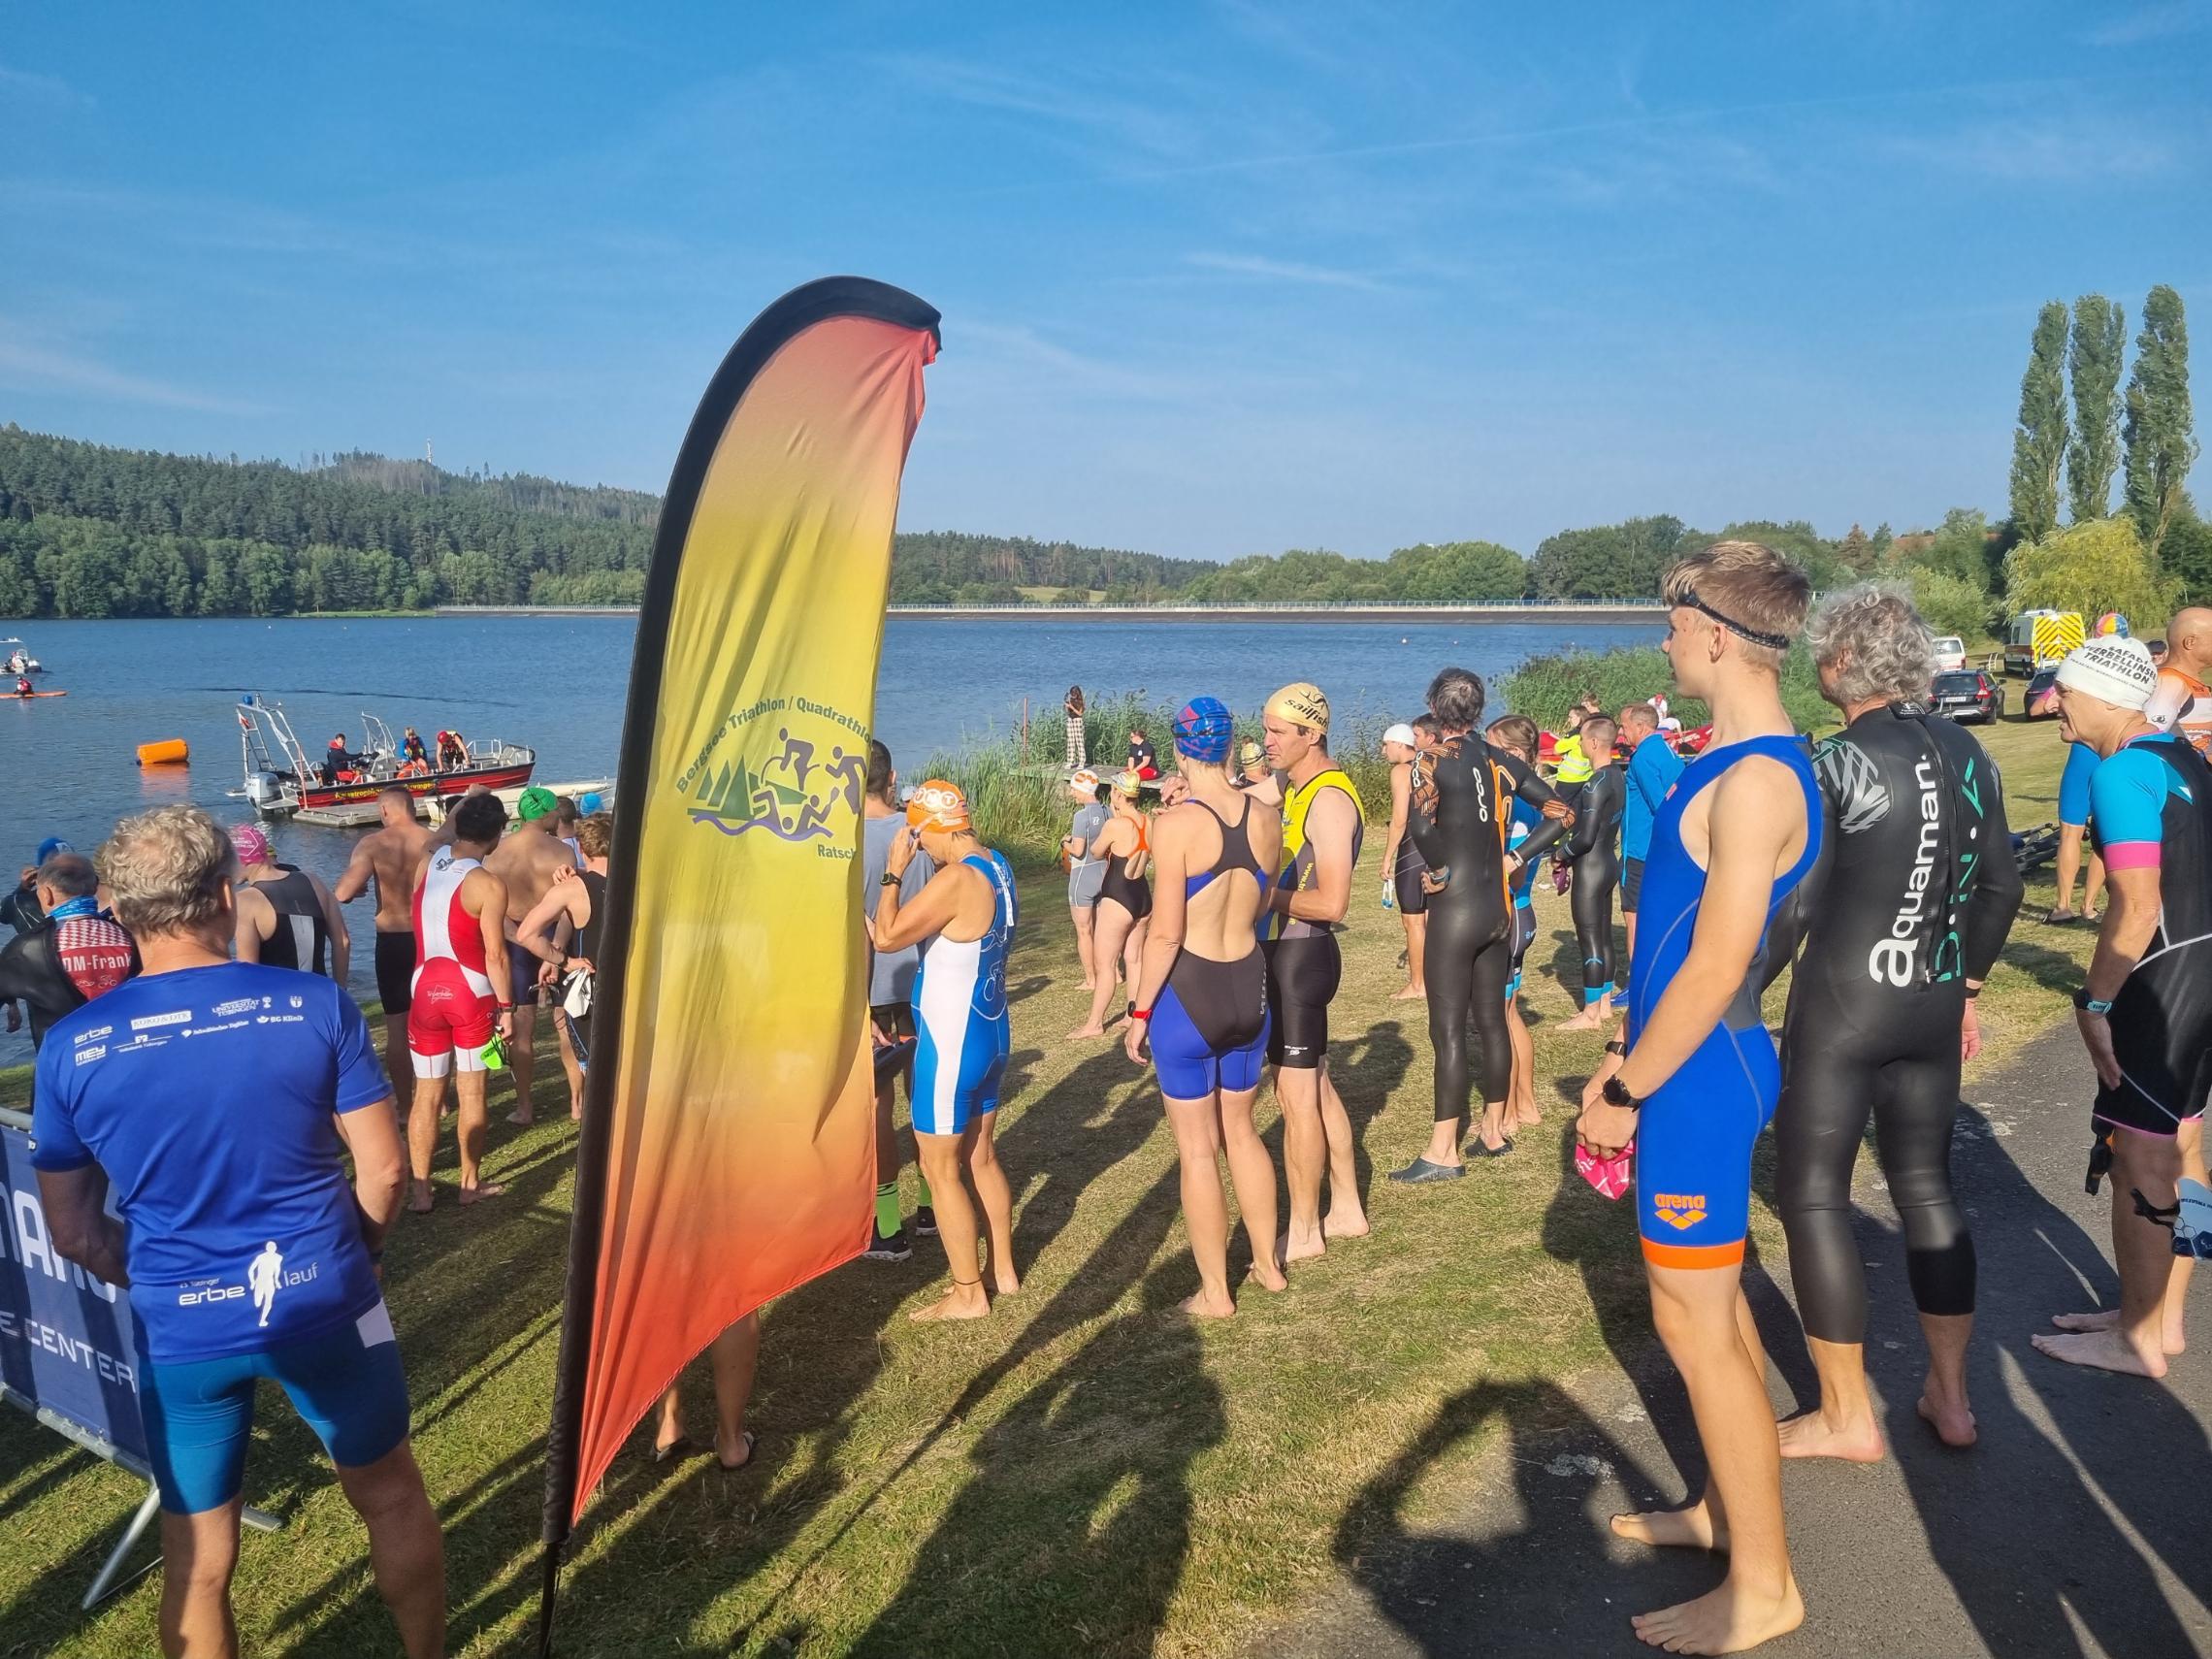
(1478, 1149)
(2057, 917)
(680, 1449)
(1422, 1170)
(733, 1468)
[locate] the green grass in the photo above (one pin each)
(1083, 1471)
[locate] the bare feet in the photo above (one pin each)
(1005, 1282)
(1090, 985)
(1205, 1307)
(1587, 1020)
(1412, 994)
(1674, 1529)
(522, 1116)
(418, 1197)
(1352, 1224)
(1524, 1118)
(1268, 1277)
(2108, 1318)
(576, 1113)
(1811, 1435)
(1296, 1246)
(482, 1190)
(961, 1302)
(1952, 1421)
(1724, 1620)
(1081, 1032)
(2103, 1351)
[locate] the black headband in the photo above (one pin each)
(1772, 641)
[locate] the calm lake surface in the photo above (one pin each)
(558, 684)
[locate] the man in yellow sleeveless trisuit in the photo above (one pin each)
(1322, 820)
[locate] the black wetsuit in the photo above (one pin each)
(1595, 849)
(1462, 816)
(300, 938)
(1913, 896)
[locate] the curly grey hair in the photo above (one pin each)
(1876, 640)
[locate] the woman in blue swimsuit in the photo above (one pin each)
(1202, 997)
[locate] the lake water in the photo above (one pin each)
(558, 684)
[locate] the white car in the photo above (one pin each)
(1950, 653)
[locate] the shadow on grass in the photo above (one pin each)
(1070, 1534)
(2053, 970)
(1525, 1586)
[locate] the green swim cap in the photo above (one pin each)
(536, 803)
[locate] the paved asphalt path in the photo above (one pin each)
(2077, 1526)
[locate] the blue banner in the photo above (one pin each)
(65, 1337)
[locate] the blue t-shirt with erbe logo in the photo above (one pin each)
(207, 1095)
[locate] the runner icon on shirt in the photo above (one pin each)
(262, 1277)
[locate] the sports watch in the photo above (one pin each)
(2089, 1004)
(1615, 1094)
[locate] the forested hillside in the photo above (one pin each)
(87, 531)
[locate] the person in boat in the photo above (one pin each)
(412, 751)
(338, 762)
(452, 752)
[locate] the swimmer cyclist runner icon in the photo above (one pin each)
(263, 1274)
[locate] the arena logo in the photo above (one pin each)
(798, 772)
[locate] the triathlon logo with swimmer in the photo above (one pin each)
(794, 769)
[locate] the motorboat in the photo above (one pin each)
(281, 779)
(15, 659)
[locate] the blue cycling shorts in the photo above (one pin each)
(346, 1382)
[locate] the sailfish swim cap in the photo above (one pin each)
(1204, 731)
(937, 805)
(1301, 704)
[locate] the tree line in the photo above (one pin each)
(89, 530)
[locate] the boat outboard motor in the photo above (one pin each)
(265, 790)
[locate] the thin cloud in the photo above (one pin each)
(26, 366)
(1285, 271)
(2049, 152)
(1122, 120)
(46, 88)
(2151, 23)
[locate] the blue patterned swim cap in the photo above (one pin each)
(1204, 731)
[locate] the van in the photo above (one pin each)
(2040, 640)
(1950, 652)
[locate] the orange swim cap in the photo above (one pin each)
(937, 805)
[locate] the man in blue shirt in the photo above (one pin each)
(1652, 768)
(2073, 833)
(215, 1100)
(2145, 1005)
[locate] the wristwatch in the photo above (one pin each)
(1615, 1094)
(2089, 1004)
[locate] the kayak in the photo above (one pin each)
(25, 697)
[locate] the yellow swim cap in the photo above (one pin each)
(1130, 784)
(1301, 704)
(937, 805)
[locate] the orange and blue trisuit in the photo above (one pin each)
(1694, 1135)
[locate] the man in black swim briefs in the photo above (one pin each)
(2145, 1006)
(1905, 914)
(391, 857)
(1463, 795)
(1322, 822)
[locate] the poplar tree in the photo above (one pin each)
(2162, 443)
(2040, 441)
(2100, 340)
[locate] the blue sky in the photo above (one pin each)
(1216, 279)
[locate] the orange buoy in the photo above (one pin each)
(169, 751)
